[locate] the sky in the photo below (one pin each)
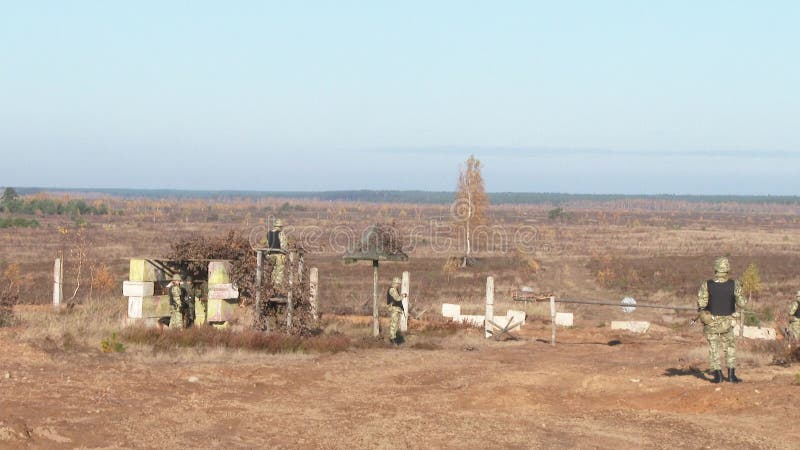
(634, 97)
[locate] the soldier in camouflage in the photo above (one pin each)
(278, 249)
(394, 302)
(717, 301)
(176, 296)
(189, 295)
(794, 317)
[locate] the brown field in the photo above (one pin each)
(447, 387)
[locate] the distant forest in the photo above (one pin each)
(419, 197)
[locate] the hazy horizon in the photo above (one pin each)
(608, 97)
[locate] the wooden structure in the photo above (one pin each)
(371, 249)
(294, 270)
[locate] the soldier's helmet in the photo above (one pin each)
(278, 223)
(176, 277)
(722, 265)
(395, 281)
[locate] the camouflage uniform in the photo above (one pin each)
(278, 256)
(794, 317)
(176, 303)
(189, 294)
(394, 302)
(719, 330)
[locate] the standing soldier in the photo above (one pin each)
(717, 300)
(794, 317)
(189, 294)
(394, 302)
(175, 302)
(278, 248)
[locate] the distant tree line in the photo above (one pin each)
(12, 202)
(419, 197)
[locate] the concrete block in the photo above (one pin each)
(476, 321)
(219, 272)
(220, 310)
(504, 321)
(565, 319)
(155, 306)
(143, 270)
(137, 288)
(451, 310)
(768, 334)
(135, 307)
(516, 316)
(222, 291)
(630, 325)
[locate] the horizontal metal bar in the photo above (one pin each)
(638, 305)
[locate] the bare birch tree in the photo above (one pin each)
(471, 204)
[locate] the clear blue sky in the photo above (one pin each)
(573, 96)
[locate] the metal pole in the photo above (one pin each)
(638, 305)
(259, 271)
(376, 327)
(553, 320)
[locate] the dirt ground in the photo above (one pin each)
(596, 389)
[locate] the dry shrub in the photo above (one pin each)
(9, 294)
(441, 327)
(103, 281)
(451, 267)
(380, 237)
(202, 337)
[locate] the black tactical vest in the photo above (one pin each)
(274, 240)
(391, 301)
(721, 298)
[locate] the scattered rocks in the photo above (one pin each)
(193, 379)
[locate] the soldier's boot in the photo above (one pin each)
(732, 376)
(717, 377)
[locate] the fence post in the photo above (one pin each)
(406, 307)
(489, 318)
(58, 277)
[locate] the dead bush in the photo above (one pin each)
(202, 337)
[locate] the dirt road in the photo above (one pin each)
(596, 389)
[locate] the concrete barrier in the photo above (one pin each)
(768, 334)
(564, 319)
(630, 325)
(451, 310)
(135, 307)
(137, 288)
(517, 316)
(223, 291)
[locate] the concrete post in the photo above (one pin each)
(404, 293)
(58, 277)
(488, 327)
(553, 320)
